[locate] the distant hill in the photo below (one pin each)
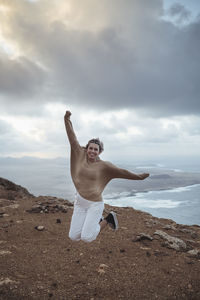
(12, 191)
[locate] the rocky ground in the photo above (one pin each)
(147, 258)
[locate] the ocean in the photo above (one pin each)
(52, 177)
(179, 204)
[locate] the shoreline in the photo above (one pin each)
(159, 180)
(169, 188)
(134, 193)
(172, 203)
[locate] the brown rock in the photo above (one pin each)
(194, 253)
(171, 242)
(141, 237)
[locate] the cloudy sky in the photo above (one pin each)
(128, 71)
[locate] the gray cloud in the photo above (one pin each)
(133, 58)
(4, 128)
(20, 77)
(180, 12)
(8, 139)
(13, 141)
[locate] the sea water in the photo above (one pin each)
(180, 204)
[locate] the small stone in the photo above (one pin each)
(54, 285)
(186, 230)
(183, 295)
(190, 262)
(194, 235)
(157, 237)
(39, 228)
(141, 237)
(3, 242)
(58, 221)
(101, 269)
(172, 270)
(148, 254)
(149, 226)
(19, 221)
(160, 253)
(168, 227)
(3, 252)
(145, 248)
(5, 225)
(5, 281)
(194, 252)
(14, 206)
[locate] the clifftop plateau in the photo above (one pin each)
(147, 258)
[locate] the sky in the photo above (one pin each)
(127, 70)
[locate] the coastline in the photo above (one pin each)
(146, 191)
(159, 180)
(179, 203)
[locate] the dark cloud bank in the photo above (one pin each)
(134, 60)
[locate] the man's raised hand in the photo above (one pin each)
(67, 114)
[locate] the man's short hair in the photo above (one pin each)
(96, 141)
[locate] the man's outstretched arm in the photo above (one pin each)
(115, 172)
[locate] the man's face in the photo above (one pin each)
(93, 151)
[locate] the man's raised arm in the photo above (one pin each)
(70, 131)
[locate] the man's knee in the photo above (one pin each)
(74, 236)
(88, 238)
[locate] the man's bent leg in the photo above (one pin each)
(91, 227)
(77, 221)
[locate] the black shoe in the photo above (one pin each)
(112, 220)
(101, 219)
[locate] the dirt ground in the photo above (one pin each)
(125, 264)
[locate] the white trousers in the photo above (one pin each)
(85, 219)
